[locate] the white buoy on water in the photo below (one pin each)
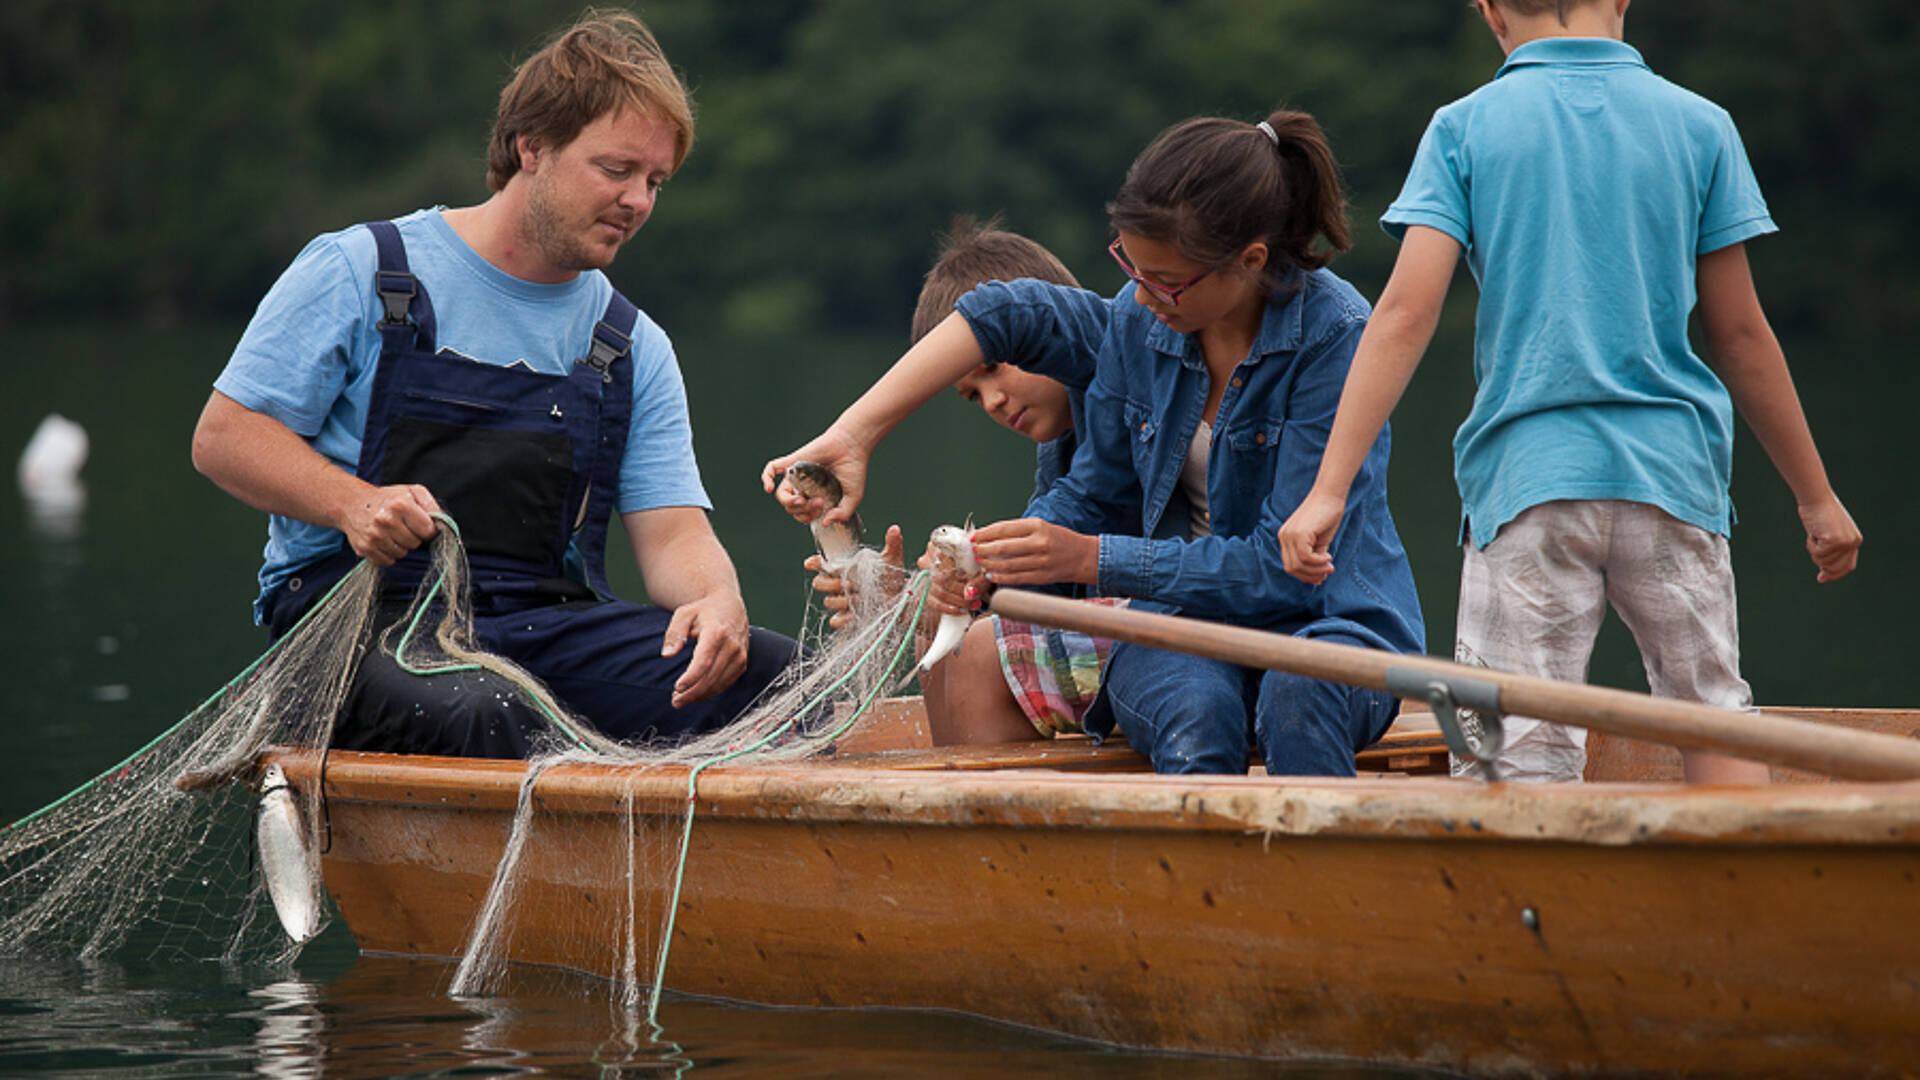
(286, 858)
(49, 476)
(53, 456)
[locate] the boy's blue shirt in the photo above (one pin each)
(1071, 367)
(1065, 355)
(1583, 188)
(307, 359)
(1144, 402)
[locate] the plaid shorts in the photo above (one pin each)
(1054, 674)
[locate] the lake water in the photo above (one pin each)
(343, 1016)
(123, 615)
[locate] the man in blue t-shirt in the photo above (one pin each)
(477, 362)
(1597, 204)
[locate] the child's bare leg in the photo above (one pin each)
(968, 700)
(1704, 767)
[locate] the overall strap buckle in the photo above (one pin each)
(397, 289)
(608, 345)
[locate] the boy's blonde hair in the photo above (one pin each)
(971, 253)
(607, 60)
(1558, 8)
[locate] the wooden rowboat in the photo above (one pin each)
(1625, 927)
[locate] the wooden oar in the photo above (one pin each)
(1834, 751)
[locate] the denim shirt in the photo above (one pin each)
(1063, 350)
(1052, 457)
(1143, 407)
(1062, 346)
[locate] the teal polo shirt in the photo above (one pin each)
(1583, 187)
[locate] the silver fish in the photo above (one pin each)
(286, 860)
(839, 542)
(952, 552)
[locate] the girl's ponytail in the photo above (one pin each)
(1318, 201)
(1211, 186)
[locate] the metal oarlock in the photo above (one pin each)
(1446, 695)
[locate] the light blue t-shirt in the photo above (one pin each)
(308, 357)
(1583, 187)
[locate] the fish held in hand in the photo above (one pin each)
(952, 547)
(839, 542)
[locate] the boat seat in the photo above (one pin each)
(896, 735)
(1413, 745)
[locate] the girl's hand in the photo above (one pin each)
(843, 456)
(1306, 540)
(1029, 551)
(1833, 540)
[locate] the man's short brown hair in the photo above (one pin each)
(971, 253)
(606, 61)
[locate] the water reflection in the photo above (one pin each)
(58, 515)
(101, 1020)
(291, 1027)
(385, 1017)
(548, 1023)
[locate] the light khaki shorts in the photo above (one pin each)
(1531, 602)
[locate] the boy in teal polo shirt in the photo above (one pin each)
(1597, 205)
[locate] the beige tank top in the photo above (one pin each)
(1193, 480)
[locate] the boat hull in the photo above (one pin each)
(1602, 930)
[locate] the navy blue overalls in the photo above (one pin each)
(528, 465)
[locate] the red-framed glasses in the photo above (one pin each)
(1166, 294)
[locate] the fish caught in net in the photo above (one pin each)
(196, 847)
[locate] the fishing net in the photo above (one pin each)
(156, 857)
(816, 701)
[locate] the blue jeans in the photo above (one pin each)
(601, 660)
(1189, 714)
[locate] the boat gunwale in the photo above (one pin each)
(1856, 813)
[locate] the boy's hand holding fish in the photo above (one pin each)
(935, 363)
(844, 459)
(814, 488)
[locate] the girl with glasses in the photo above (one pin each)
(1219, 366)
